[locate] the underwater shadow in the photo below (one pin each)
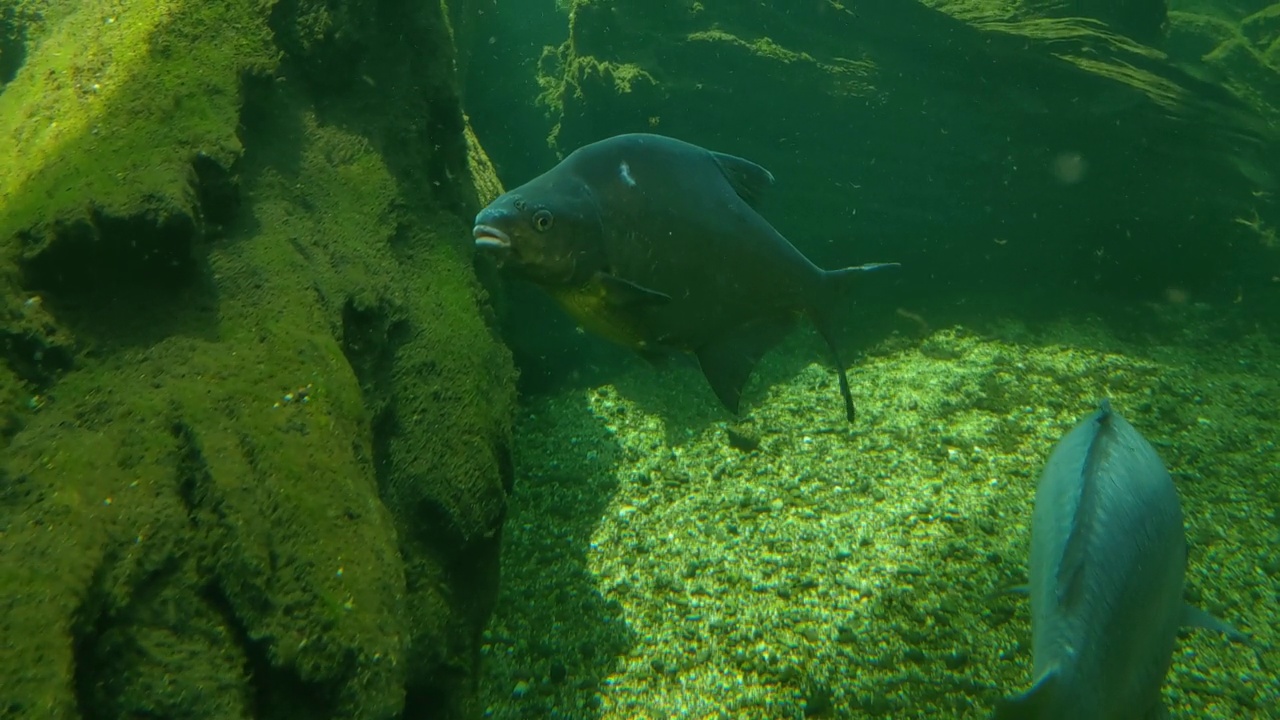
(675, 389)
(554, 638)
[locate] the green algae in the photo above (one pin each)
(1248, 73)
(763, 46)
(224, 495)
(188, 438)
(621, 78)
(123, 115)
(563, 76)
(1192, 35)
(488, 186)
(1263, 27)
(844, 76)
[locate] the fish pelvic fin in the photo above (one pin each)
(823, 311)
(1195, 617)
(1031, 704)
(748, 179)
(1023, 590)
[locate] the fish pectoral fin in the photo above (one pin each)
(1030, 704)
(656, 358)
(728, 360)
(748, 179)
(1193, 616)
(624, 292)
(1022, 589)
(865, 267)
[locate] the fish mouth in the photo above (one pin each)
(488, 236)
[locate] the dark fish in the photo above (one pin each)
(655, 244)
(1108, 557)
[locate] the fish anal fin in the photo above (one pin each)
(1193, 616)
(748, 179)
(618, 291)
(728, 360)
(1031, 704)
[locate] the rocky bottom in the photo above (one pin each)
(663, 560)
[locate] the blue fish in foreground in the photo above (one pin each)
(1108, 557)
(656, 244)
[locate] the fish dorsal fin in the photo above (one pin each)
(728, 360)
(1071, 566)
(748, 179)
(1031, 704)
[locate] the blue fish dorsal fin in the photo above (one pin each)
(748, 179)
(1071, 565)
(1030, 704)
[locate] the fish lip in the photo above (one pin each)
(488, 236)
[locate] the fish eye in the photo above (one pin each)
(542, 220)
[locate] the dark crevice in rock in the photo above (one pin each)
(431, 122)
(88, 626)
(432, 541)
(322, 39)
(103, 253)
(368, 341)
(110, 662)
(218, 191)
(114, 282)
(13, 44)
(351, 62)
(36, 349)
(118, 281)
(448, 165)
(277, 693)
(192, 470)
(271, 129)
(422, 702)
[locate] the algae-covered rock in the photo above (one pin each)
(254, 426)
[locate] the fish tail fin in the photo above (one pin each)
(822, 309)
